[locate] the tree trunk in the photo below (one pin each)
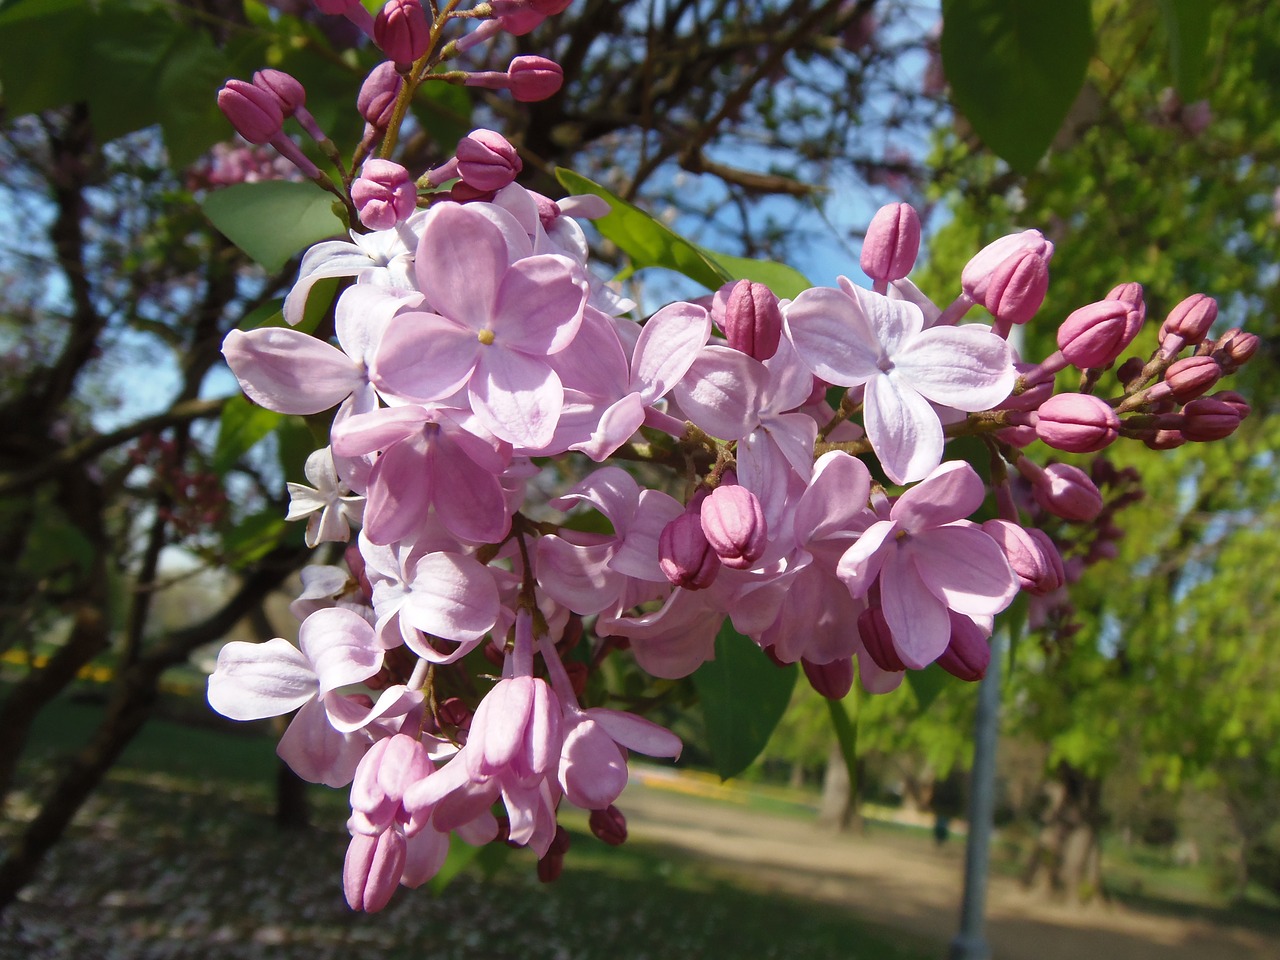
(1066, 862)
(841, 807)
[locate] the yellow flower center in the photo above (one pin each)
(485, 337)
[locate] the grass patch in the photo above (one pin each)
(177, 856)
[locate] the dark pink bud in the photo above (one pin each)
(753, 320)
(286, 89)
(733, 522)
(892, 243)
(832, 680)
(1187, 323)
(384, 194)
(1077, 423)
(534, 78)
(1032, 397)
(1191, 377)
(487, 160)
(401, 31)
(254, 112)
(976, 276)
(1210, 418)
(1017, 287)
(377, 98)
(1131, 294)
(455, 712)
(1235, 349)
(1235, 400)
(685, 556)
(969, 653)
(877, 640)
(609, 825)
(1020, 436)
(292, 97)
(1033, 556)
(1096, 334)
(1165, 440)
(1065, 491)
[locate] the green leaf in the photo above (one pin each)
(744, 695)
(242, 427)
(187, 97)
(648, 242)
(33, 76)
(926, 684)
(1187, 23)
(273, 220)
(786, 282)
(255, 536)
(1015, 68)
(460, 856)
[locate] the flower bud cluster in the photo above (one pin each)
(479, 361)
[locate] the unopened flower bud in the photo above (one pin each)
(401, 31)
(1077, 423)
(384, 194)
(976, 276)
(1032, 555)
(1191, 377)
(455, 712)
(1235, 348)
(877, 640)
(685, 556)
(1187, 324)
(892, 243)
(487, 160)
(372, 869)
(254, 112)
(534, 78)
(1063, 490)
(969, 653)
(377, 98)
(1165, 440)
(832, 680)
(734, 524)
(1096, 334)
(752, 319)
(609, 825)
(1131, 293)
(1017, 287)
(292, 97)
(1210, 418)
(1032, 397)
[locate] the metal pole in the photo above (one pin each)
(971, 942)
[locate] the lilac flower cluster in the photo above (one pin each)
(478, 359)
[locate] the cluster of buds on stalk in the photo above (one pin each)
(190, 499)
(796, 479)
(379, 192)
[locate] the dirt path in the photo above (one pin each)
(917, 890)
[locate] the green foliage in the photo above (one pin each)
(1187, 23)
(651, 243)
(1015, 68)
(299, 215)
(243, 426)
(744, 695)
(132, 62)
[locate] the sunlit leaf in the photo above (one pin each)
(242, 427)
(273, 220)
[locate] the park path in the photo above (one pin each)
(915, 888)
